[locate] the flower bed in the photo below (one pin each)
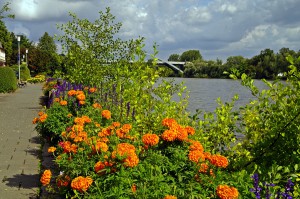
(100, 155)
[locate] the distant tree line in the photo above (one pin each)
(267, 64)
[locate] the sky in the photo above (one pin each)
(217, 28)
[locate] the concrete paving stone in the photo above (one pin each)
(19, 143)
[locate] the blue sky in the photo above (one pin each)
(218, 28)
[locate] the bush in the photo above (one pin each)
(8, 80)
(25, 72)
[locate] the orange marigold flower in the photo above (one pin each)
(132, 160)
(43, 117)
(170, 197)
(79, 92)
(71, 92)
(116, 124)
(81, 102)
(105, 132)
(97, 105)
(92, 90)
(81, 184)
(106, 114)
(77, 128)
(150, 139)
(79, 121)
(41, 113)
(203, 168)
(181, 133)
(124, 149)
(169, 122)
(51, 149)
(169, 135)
(68, 147)
(46, 177)
(195, 156)
(81, 136)
(100, 147)
(63, 102)
(219, 161)
(227, 192)
(63, 134)
(35, 120)
(86, 119)
(133, 188)
(63, 181)
(126, 127)
(69, 115)
(80, 97)
(190, 130)
(99, 166)
(196, 146)
(207, 155)
(56, 99)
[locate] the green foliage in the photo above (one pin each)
(174, 57)
(8, 80)
(25, 73)
(6, 41)
(5, 8)
(190, 55)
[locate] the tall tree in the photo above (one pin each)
(6, 42)
(46, 43)
(191, 55)
(5, 8)
(174, 57)
(46, 58)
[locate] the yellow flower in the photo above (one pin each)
(51, 149)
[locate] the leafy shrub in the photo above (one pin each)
(8, 80)
(25, 72)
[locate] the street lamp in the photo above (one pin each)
(19, 39)
(26, 57)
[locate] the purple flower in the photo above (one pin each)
(256, 190)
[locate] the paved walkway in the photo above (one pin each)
(19, 143)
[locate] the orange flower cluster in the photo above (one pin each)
(63, 102)
(92, 90)
(219, 161)
(170, 197)
(72, 93)
(51, 149)
(106, 114)
(63, 181)
(97, 105)
(175, 131)
(35, 120)
(68, 147)
(43, 117)
(81, 184)
(150, 139)
(99, 147)
(56, 99)
(127, 153)
(46, 177)
(100, 166)
(121, 133)
(227, 192)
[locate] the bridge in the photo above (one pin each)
(174, 65)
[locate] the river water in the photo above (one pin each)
(204, 92)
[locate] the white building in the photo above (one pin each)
(2, 55)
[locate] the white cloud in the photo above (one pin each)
(218, 28)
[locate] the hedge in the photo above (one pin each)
(8, 80)
(25, 72)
